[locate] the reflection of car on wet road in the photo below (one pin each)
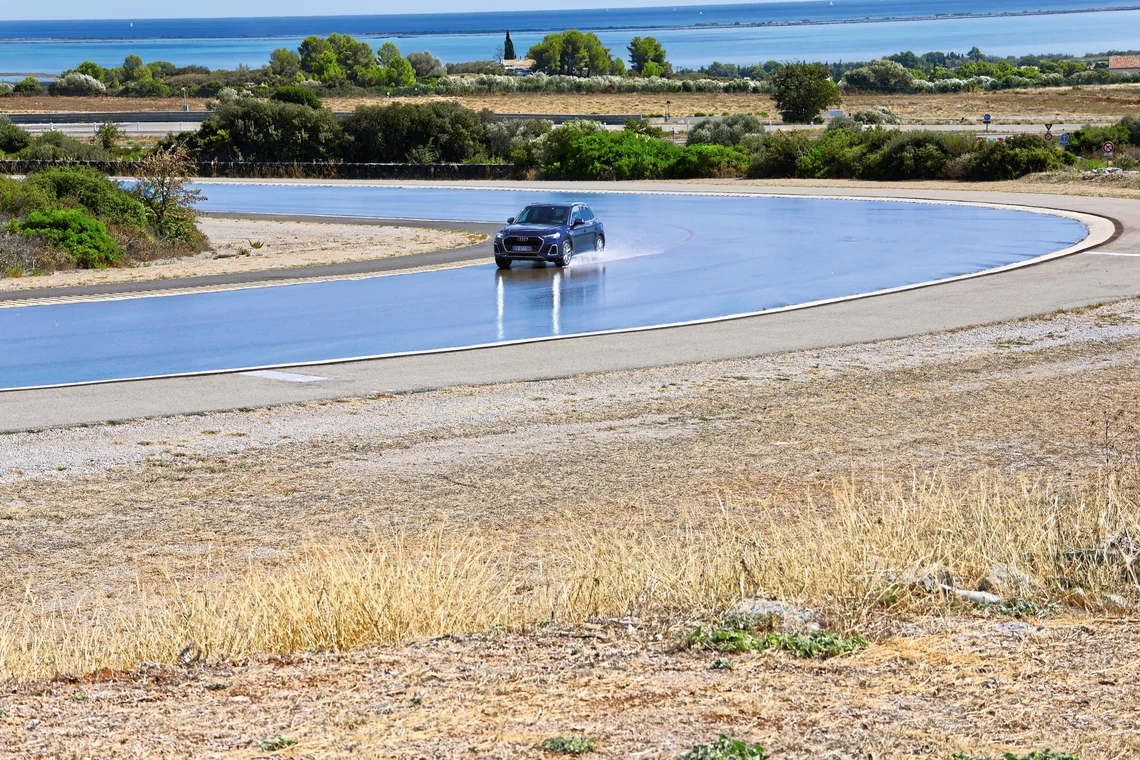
(549, 232)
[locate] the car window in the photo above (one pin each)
(587, 214)
(543, 215)
(576, 215)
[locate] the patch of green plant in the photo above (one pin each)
(725, 748)
(86, 239)
(569, 745)
(1021, 608)
(722, 663)
(72, 186)
(750, 633)
(1042, 754)
(217, 685)
(278, 741)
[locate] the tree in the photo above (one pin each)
(266, 130)
(162, 176)
(419, 132)
(399, 73)
(311, 47)
(426, 65)
(108, 135)
(652, 69)
(295, 94)
(802, 90)
(645, 50)
(29, 86)
(880, 76)
(976, 54)
(509, 47)
(572, 53)
(92, 69)
(134, 70)
(284, 63)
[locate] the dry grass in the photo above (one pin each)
(829, 553)
(1102, 101)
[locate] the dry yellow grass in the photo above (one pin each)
(828, 553)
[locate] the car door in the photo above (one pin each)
(592, 225)
(579, 230)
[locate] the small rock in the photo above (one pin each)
(795, 618)
(1008, 580)
(1116, 601)
(975, 597)
(931, 578)
(1012, 627)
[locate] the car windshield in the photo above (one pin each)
(543, 215)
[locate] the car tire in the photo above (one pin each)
(565, 254)
(600, 244)
(503, 263)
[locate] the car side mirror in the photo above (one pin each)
(510, 220)
(577, 222)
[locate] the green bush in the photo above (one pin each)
(88, 189)
(416, 132)
(725, 748)
(729, 131)
(267, 130)
(699, 161)
(85, 238)
(29, 86)
(12, 138)
(300, 95)
(1024, 154)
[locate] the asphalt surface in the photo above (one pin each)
(670, 258)
(1067, 282)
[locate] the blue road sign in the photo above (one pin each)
(986, 118)
(1064, 138)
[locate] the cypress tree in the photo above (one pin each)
(509, 48)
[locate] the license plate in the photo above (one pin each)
(521, 248)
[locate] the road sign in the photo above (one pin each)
(1108, 149)
(986, 118)
(1048, 135)
(1048, 127)
(1065, 138)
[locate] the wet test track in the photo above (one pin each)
(671, 258)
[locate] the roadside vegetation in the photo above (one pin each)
(861, 560)
(67, 217)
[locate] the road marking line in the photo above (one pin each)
(285, 377)
(1110, 253)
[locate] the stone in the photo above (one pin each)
(1008, 580)
(790, 616)
(1116, 601)
(975, 597)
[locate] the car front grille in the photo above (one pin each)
(534, 243)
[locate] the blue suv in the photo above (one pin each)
(549, 232)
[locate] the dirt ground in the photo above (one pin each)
(1093, 102)
(978, 687)
(1029, 399)
(238, 245)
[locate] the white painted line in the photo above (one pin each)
(1110, 253)
(285, 377)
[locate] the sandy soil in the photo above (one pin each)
(1093, 102)
(283, 245)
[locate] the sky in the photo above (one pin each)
(127, 9)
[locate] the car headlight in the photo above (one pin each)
(554, 236)
(499, 235)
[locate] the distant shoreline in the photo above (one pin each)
(636, 28)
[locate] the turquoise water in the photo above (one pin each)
(51, 47)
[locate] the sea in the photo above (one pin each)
(825, 30)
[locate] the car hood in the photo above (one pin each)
(531, 229)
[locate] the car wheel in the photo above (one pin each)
(565, 254)
(503, 263)
(600, 244)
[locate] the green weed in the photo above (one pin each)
(277, 742)
(1020, 608)
(725, 748)
(1043, 754)
(569, 745)
(749, 633)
